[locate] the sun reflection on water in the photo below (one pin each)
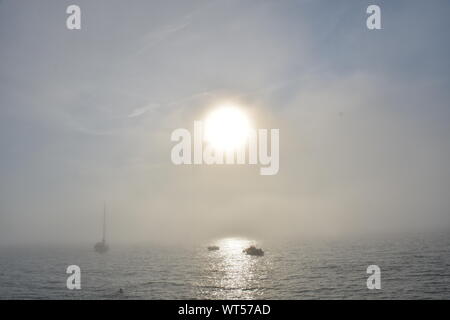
(231, 274)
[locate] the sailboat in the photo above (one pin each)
(102, 247)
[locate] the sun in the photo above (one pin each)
(227, 128)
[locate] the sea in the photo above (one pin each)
(410, 268)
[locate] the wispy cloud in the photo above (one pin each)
(138, 112)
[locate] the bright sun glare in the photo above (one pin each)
(227, 128)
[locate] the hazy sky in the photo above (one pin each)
(86, 117)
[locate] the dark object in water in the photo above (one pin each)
(121, 291)
(101, 247)
(253, 251)
(213, 248)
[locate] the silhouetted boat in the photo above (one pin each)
(253, 251)
(213, 248)
(102, 247)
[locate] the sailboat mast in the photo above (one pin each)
(104, 223)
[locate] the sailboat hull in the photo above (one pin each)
(101, 247)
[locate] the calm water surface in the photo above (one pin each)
(410, 269)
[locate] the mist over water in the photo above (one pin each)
(86, 118)
(411, 268)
